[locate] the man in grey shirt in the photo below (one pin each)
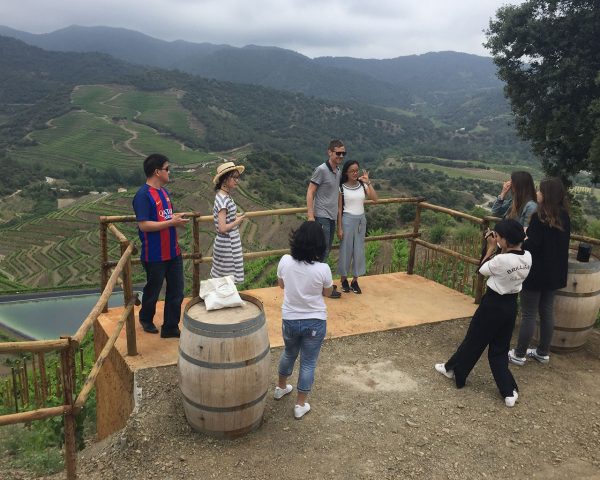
(322, 195)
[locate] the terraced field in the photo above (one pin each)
(157, 108)
(59, 249)
(495, 172)
(110, 130)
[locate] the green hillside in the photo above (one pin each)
(107, 132)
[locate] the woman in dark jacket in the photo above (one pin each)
(548, 241)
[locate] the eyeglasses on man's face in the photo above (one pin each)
(340, 154)
(166, 169)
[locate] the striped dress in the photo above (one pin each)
(227, 249)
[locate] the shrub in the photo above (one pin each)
(438, 233)
(467, 233)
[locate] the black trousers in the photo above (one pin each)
(156, 274)
(492, 326)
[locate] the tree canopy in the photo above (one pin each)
(548, 53)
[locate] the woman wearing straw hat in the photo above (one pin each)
(227, 248)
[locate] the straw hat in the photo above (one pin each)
(227, 167)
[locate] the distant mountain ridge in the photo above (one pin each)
(399, 82)
(426, 73)
(35, 86)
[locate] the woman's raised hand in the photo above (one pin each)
(505, 188)
(364, 177)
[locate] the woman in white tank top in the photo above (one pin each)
(352, 223)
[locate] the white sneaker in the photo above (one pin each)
(441, 367)
(510, 401)
(301, 410)
(281, 392)
(532, 353)
(514, 358)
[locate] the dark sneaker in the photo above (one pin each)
(148, 327)
(345, 286)
(532, 353)
(514, 358)
(172, 333)
(354, 286)
(335, 293)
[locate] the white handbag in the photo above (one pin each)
(220, 293)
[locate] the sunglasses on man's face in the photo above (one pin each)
(340, 154)
(166, 169)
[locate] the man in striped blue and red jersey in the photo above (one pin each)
(161, 256)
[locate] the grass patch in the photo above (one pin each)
(37, 447)
(27, 448)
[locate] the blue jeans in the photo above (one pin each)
(156, 274)
(304, 337)
(329, 231)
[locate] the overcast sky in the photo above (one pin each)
(355, 28)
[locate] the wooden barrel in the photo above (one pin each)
(224, 367)
(576, 306)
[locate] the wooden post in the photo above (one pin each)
(196, 266)
(58, 383)
(36, 390)
(25, 380)
(21, 383)
(67, 358)
(413, 245)
(43, 378)
(14, 388)
(9, 397)
(103, 260)
(127, 296)
(81, 371)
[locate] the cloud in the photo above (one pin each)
(358, 28)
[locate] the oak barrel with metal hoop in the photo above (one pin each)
(224, 361)
(576, 306)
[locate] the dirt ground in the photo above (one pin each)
(381, 411)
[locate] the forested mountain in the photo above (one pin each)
(266, 66)
(35, 85)
(436, 84)
(432, 72)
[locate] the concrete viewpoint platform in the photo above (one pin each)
(388, 302)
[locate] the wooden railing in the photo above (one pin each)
(67, 348)
(107, 223)
(110, 270)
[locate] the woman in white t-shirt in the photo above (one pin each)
(352, 223)
(493, 322)
(305, 280)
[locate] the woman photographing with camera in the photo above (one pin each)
(493, 322)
